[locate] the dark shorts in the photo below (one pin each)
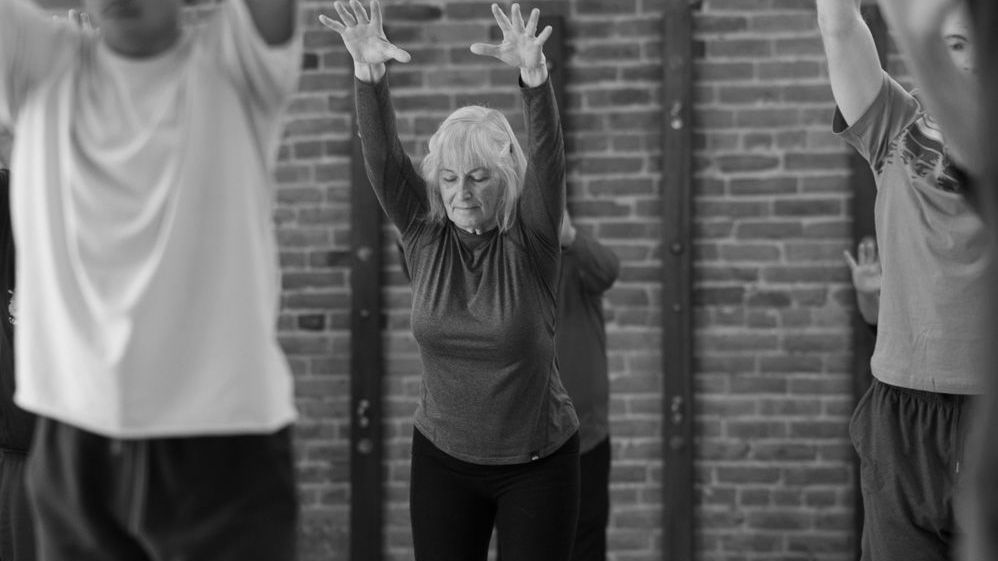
(454, 504)
(17, 538)
(911, 447)
(224, 498)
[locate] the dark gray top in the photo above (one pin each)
(484, 306)
(588, 269)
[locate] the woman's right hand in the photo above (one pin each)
(364, 39)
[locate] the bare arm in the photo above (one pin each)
(853, 65)
(951, 95)
(275, 19)
(6, 146)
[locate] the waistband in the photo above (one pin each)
(13, 452)
(954, 399)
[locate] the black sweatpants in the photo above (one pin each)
(911, 446)
(454, 504)
(224, 498)
(594, 504)
(17, 536)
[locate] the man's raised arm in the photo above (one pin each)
(275, 19)
(853, 64)
(949, 91)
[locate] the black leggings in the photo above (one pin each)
(454, 505)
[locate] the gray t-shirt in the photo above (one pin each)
(933, 249)
(484, 306)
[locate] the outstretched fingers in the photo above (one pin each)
(516, 17)
(531, 28)
(332, 24)
(376, 17)
(850, 260)
(504, 24)
(359, 12)
(545, 33)
(344, 14)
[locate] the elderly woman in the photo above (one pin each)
(496, 435)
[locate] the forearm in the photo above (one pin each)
(544, 201)
(838, 17)
(398, 187)
(6, 147)
(275, 20)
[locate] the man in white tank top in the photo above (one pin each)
(147, 323)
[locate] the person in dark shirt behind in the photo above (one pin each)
(17, 540)
(588, 270)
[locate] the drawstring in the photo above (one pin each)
(958, 434)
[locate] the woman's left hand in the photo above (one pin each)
(520, 47)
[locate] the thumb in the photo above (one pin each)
(398, 54)
(484, 49)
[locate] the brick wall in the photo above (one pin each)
(773, 302)
(612, 127)
(772, 217)
(773, 341)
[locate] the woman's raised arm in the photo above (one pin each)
(541, 205)
(400, 189)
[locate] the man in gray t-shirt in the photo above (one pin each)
(931, 344)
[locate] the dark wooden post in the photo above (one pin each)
(677, 262)
(366, 367)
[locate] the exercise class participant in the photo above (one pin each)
(588, 270)
(496, 437)
(17, 538)
(967, 114)
(931, 339)
(146, 335)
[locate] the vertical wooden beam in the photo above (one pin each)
(366, 367)
(677, 261)
(864, 191)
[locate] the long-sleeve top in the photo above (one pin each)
(484, 306)
(16, 425)
(588, 269)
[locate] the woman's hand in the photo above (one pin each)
(364, 39)
(520, 47)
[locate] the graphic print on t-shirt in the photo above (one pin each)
(920, 147)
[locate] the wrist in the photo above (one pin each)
(534, 76)
(369, 73)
